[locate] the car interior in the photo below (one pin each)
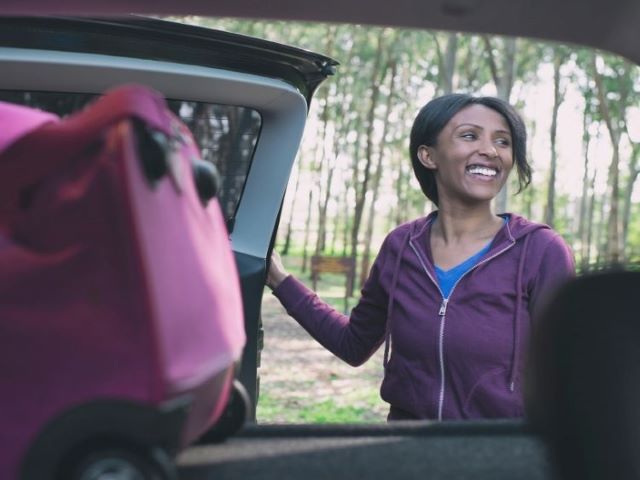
(60, 56)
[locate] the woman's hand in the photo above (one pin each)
(277, 272)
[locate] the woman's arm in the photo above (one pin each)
(352, 338)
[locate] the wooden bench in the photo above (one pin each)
(340, 265)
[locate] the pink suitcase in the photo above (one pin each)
(120, 311)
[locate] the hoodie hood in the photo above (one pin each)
(520, 227)
(515, 228)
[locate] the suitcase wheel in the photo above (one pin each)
(233, 418)
(121, 463)
(206, 178)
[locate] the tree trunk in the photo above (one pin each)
(529, 195)
(307, 233)
(633, 175)
(582, 223)
(613, 227)
(601, 236)
(336, 230)
(401, 195)
(346, 227)
(614, 248)
(446, 63)
(322, 210)
(325, 174)
(558, 96)
(449, 63)
(327, 158)
(362, 187)
(591, 214)
(287, 237)
(366, 254)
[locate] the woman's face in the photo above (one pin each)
(473, 156)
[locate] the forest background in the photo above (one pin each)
(353, 180)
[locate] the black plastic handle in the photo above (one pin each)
(207, 179)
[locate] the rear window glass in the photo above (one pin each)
(226, 134)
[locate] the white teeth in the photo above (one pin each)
(488, 172)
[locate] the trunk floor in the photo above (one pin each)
(489, 450)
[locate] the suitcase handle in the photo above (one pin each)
(206, 178)
(51, 145)
(153, 150)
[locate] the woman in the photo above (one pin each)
(452, 294)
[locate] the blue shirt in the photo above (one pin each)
(447, 279)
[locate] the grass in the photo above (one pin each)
(305, 410)
(333, 398)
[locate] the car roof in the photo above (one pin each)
(608, 25)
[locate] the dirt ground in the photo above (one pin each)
(297, 373)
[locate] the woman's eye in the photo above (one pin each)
(469, 135)
(504, 142)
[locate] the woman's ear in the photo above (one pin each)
(425, 156)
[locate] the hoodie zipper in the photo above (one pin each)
(442, 313)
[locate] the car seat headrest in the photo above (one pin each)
(582, 390)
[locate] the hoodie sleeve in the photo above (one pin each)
(352, 338)
(556, 266)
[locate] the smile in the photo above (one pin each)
(482, 171)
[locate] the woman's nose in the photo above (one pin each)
(489, 149)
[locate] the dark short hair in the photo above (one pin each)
(434, 116)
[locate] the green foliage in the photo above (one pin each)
(306, 410)
(341, 110)
(633, 240)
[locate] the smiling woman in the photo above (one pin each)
(441, 142)
(279, 88)
(451, 295)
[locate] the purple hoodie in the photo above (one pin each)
(454, 358)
